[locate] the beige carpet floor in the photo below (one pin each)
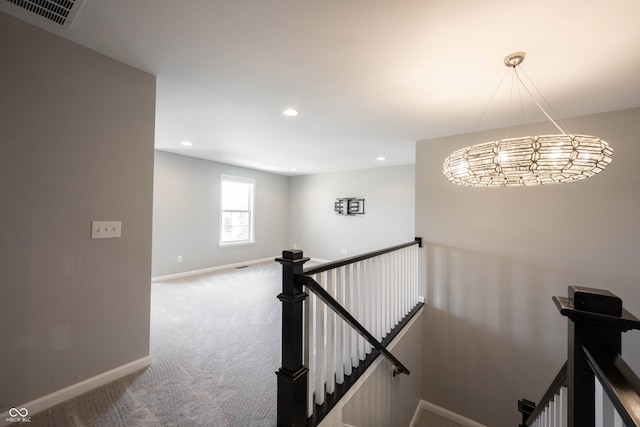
(215, 345)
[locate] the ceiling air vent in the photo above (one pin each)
(49, 13)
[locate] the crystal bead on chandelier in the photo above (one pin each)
(529, 160)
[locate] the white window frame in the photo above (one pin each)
(250, 240)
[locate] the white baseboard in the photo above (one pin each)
(416, 414)
(210, 269)
(444, 413)
(77, 389)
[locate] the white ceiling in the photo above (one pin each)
(369, 77)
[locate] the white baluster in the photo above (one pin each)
(372, 288)
(414, 275)
(564, 399)
(402, 271)
(321, 366)
(363, 301)
(409, 276)
(396, 289)
(386, 306)
(348, 295)
(382, 298)
(355, 337)
(378, 311)
(540, 419)
(599, 404)
(358, 307)
(390, 292)
(604, 408)
(393, 290)
(617, 421)
(340, 297)
(405, 289)
(346, 329)
(557, 411)
(309, 359)
(367, 287)
(416, 291)
(330, 335)
(400, 286)
(355, 305)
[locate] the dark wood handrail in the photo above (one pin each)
(325, 297)
(559, 381)
(346, 261)
(625, 322)
(619, 382)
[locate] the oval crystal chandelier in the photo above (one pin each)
(529, 160)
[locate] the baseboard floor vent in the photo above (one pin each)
(50, 13)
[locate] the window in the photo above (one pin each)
(236, 210)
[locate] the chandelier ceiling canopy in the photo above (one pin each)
(528, 160)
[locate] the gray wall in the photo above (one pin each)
(186, 219)
(496, 256)
(388, 218)
(386, 400)
(289, 210)
(76, 145)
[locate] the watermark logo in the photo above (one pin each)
(18, 416)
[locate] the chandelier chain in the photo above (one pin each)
(535, 100)
(486, 107)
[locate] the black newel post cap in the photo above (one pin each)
(596, 306)
(599, 301)
(292, 254)
(292, 257)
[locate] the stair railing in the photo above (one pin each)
(595, 387)
(355, 307)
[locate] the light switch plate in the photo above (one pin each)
(106, 229)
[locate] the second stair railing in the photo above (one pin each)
(595, 387)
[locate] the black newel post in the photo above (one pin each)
(292, 375)
(597, 337)
(526, 408)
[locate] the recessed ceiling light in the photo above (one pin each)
(380, 158)
(186, 143)
(290, 112)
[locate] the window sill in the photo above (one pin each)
(246, 243)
